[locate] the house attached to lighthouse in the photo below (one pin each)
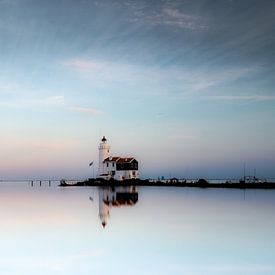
(118, 168)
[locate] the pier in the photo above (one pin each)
(173, 182)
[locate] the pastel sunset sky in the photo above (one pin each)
(185, 86)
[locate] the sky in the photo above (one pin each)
(187, 87)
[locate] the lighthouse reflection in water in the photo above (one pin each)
(110, 197)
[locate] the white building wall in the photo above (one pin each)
(109, 168)
(126, 174)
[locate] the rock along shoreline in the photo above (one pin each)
(201, 183)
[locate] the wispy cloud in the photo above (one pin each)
(12, 142)
(55, 101)
(27, 102)
(86, 254)
(202, 80)
(226, 269)
(104, 72)
(242, 97)
(56, 98)
(170, 79)
(164, 14)
(175, 18)
(90, 111)
(242, 268)
(83, 64)
(6, 88)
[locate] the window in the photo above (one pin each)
(113, 164)
(107, 164)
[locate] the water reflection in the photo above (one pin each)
(109, 197)
(195, 231)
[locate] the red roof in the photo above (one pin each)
(115, 159)
(119, 159)
(125, 160)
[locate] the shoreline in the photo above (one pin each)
(201, 183)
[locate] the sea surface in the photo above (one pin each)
(150, 230)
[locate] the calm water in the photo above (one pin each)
(52, 230)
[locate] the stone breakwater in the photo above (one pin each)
(201, 183)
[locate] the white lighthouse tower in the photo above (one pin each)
(104, 152)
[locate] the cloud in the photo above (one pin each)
(12, 143)
(202, 80)
(60, 146)
(33, 102)
(56, 98)
(103, 72)
(50, 101)
(86, 254)
(83, 64)
(7, 88)
(86, 110)
(170, 80)
(242, 269)
(226, 269)
(174, 17)
(163, 13)
(242, 97)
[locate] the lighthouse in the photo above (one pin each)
(104, 152)
(118, 168)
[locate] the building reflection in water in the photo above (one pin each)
(109, 197)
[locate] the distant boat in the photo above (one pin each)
(250, 179)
